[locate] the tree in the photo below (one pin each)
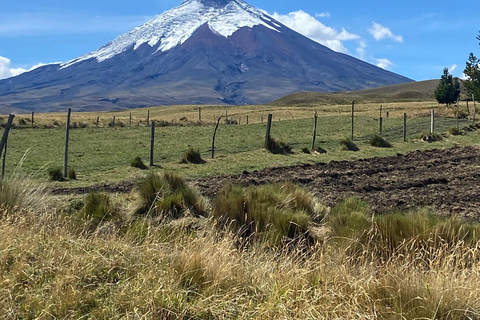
(448, 89)
(472, 73)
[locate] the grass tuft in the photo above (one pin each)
(278, 147)
(379, 142)
(272, 213)
(138, 163)
(430, 137)
(98, 206)
(192, 156)
(71, 174)
(348, 144)
(168, 196)
(55, 174)
(454, 131)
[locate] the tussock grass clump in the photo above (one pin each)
(55, 174)
(98, 206)
(278, 147)
(306, 150)
(319, 150)
(349, 145)
(379, 142)
(192, 156)
(168, 196)
(19, 192)
(71, 174)
(274, 213)
(350, 218)
(430, 137)
(138, 163)
(454, 131)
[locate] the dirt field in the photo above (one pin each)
(446, 180)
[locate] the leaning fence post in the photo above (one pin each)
(213, 138)
(269, 127)
(314, 130)
(404, 127)
(432, 122)
(152, 142)
(3, 143)
(67, 135)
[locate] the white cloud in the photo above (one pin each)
(6, 71)
(310, 27)
(452, 68)
(322, 15)
(380, 32)
(362, 49)
(383, 63)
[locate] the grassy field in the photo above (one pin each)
(103, 154)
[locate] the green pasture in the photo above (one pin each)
(104, 154)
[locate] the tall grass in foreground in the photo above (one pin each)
(47, 270)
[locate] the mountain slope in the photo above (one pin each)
(202, 52)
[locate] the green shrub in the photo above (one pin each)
(138, 163)
(379, 142)
(348, 144)
(278, 147)
(168, 196)
(192, 156)
(273, 213)
(454, 131)
(55, 174)
(98, 206)
(71, 174)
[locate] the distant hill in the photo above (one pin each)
(411, 91)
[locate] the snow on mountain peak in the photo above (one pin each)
(175, 26)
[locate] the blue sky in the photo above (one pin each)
(414, 38)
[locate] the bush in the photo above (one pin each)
(379, 142)
(278, 147)
(71, 174)
(55, 174)
(138, 163)
(273, 213)
(168, 196)
(348, 144)
(192, 156)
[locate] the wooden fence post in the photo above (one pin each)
(381, 107)
(113, 122)
(152, 142)
(261, 119)
(148, 117)
(381, 125)
(404, 127)
(67, 136)
(458, 125)
(199, 115)
(269, 127)
(130, 121)
(432, 121)
(474, 108)
(247, 119)
(3, 143)
(98, 118)
(213, 138)
(315, 130)
(32, 117)
(353, 116)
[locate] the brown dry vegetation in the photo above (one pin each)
(53, 266)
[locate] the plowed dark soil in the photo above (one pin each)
(446, 180)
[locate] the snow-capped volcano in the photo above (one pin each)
(202, 52)
(176, 26)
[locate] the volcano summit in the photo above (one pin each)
(202, 52)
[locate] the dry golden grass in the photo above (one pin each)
(52, 268)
